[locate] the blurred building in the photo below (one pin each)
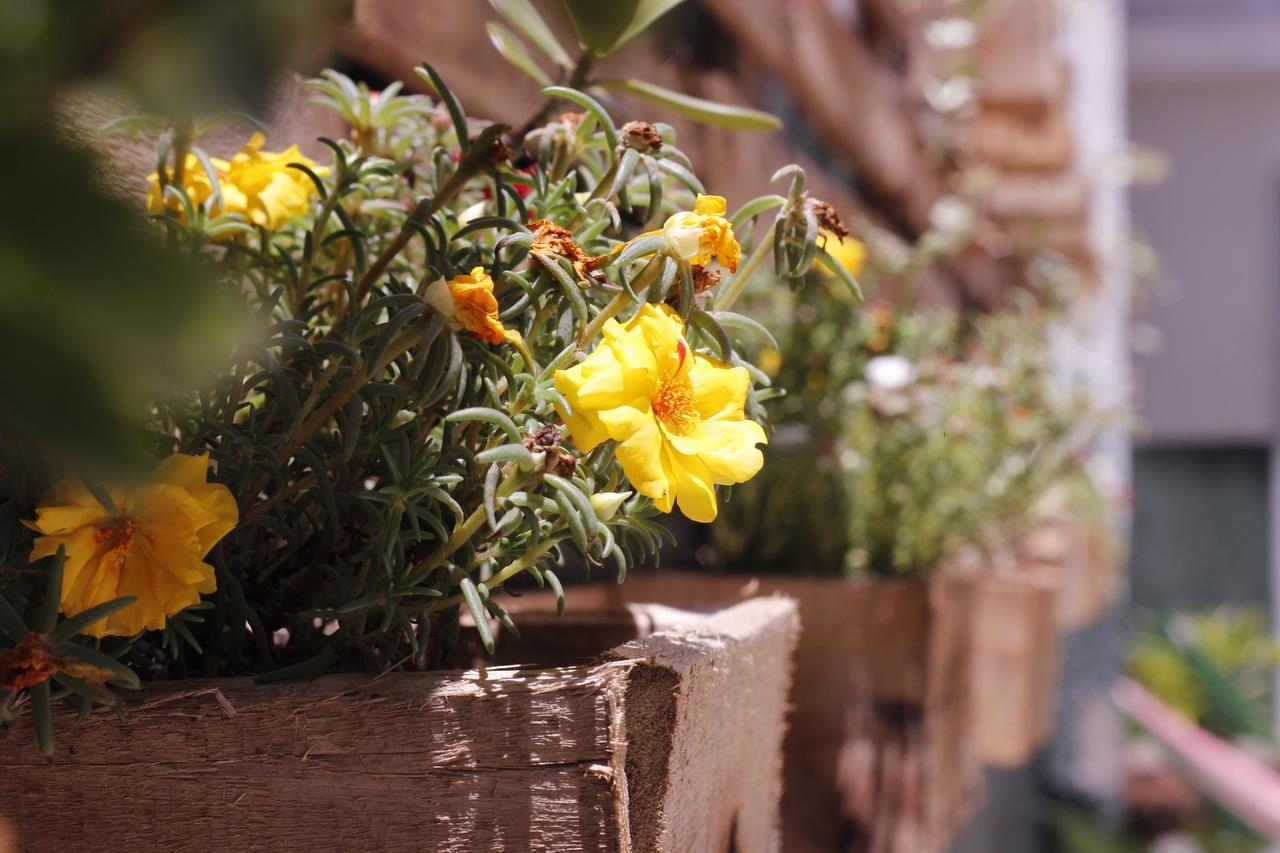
(1204, 87)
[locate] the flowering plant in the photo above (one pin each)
(919, 432)
(469, 355)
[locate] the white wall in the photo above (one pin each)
(1208, 93)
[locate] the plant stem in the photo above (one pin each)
(522, 563)
(476, 154)
(743, 276)
(464, 531)
(607, 313)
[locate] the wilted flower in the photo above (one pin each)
(27, 664)
(698, 235)
(467, 302)
(678, 416)
(153, 548)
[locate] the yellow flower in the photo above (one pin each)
(256, 184)
(153, 549)
(695, 236)
(467, 302)
(851, 253)
(677, 415)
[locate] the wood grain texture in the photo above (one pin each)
(878, 748)
(509, 758)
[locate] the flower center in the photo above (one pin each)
(117, 535)
(673, 404)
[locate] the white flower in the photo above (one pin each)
(890, 372)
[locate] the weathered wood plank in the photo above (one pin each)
(878, 739)
(598, 757)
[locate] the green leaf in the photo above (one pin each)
(513, 51)
(471, 595)
(755, 207)
(68, 628)
(120, 672)
(525, 18)
(556, 588)
(493, 416)
(838, 270)
(47, 615)
(579, 500)
(699, 109)
(592, 106)
(604, 27)
(42, 714)
(100, 494)
(740, 323)
(11, 623)
(459, 118)
(517, 453)
(703, 322)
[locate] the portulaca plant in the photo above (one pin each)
(473, 354)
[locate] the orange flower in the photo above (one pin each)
(467, 302)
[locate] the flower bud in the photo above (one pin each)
(606, 504)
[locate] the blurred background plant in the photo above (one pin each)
(919, 430)
(1214, 668)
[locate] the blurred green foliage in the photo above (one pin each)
(1213, 667)
(894, 477)
(95, 316)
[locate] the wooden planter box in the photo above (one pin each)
(879, 751)
(1016, 657)
(1078, 552)
(670, 742)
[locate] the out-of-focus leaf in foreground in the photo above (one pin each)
(96, 315)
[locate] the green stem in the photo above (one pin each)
(529, 559)
(743, 276)
(476, 155)
(606, 314)
(464, 531)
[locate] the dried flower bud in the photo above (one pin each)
(545, 439)
(641, 136)
(561, 463)
(27, 664)
(704, 279)
(500, 151)
(827, 217)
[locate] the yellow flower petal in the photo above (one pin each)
(259, 185)
(678, 416)
(720, 390)
(710, 205)
(695, 494)
(153, 549)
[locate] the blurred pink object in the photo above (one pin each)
(1234, 779)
